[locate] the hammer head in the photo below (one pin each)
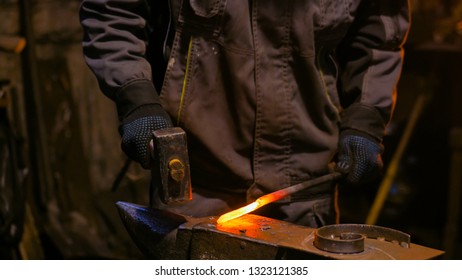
(170, 171)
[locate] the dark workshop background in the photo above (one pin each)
(60, 156)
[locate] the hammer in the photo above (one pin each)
(170, 170)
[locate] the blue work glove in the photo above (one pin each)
(136, 131)
(359, 157)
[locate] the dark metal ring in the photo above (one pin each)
(349, 238)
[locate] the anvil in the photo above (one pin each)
(164, 235)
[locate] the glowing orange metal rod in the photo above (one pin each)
(277, 195)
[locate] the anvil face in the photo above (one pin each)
(163, 235)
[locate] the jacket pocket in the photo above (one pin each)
(206, 8)
(332, 18)
(331, 12)
(202, 17)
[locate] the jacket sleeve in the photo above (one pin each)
(370, 60)
(114, 47)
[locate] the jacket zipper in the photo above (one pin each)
(185, 81)
(324, 85)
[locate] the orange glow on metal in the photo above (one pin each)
(261, 201)
(247, 225)
(238, 212)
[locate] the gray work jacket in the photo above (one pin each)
(262, 87)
